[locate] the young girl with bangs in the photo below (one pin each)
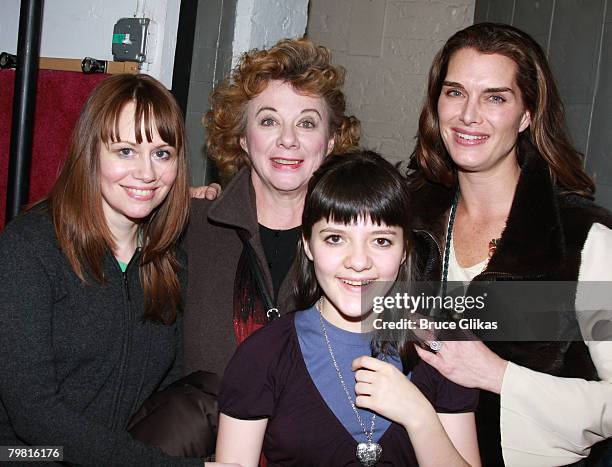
(305, 387)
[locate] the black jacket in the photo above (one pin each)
(76, 359)
(543, 240)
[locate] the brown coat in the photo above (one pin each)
(214, 248)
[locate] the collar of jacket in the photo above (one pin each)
(531, 245)
(236, 206)
(236, 209)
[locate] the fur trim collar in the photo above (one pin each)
(531, 245)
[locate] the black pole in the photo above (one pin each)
(184, 52)
(24, 104)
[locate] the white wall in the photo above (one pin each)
(261, 23)
(81, 28)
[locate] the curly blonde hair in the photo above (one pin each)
(299, 62)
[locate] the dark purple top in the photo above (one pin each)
(267, 378)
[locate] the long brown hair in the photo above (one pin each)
(299, 62)
(547, 131)
(75, 201)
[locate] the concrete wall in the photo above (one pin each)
(599, 153)
(577, 37)
(224, 30)
(212, 58)
(77, 29)
(261, 23)
(387, 47)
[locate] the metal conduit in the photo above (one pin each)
(24, 104)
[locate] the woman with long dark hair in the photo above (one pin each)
(501, 194)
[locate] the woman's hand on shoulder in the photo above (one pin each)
(384, 389)
(467, 363)
(210, 192)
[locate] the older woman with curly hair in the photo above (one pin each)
(272, 123)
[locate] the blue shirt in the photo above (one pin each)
(346, 346)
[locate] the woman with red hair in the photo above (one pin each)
(272, 123)
(91, 283)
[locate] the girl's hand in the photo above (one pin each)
(209, 192)
(468, 363)
(385, 390)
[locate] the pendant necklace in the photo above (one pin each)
(368, 453)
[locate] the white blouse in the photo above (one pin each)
(548, 420)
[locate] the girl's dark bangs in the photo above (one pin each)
(347, 200)
(345, 212)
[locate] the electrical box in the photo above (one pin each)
(130, 39)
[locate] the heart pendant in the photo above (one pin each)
(368, 453)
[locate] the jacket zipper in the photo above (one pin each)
(126, 341)
(126, 285)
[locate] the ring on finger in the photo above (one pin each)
(435, 345)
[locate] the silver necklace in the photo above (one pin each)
(367, 453)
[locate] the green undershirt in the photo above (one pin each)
(122, 265)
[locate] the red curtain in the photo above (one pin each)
(59, 98)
